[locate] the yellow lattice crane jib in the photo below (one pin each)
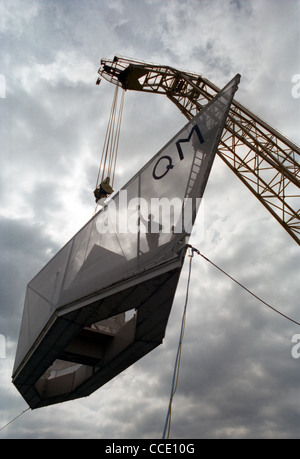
(262, 158)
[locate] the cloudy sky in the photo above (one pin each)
(237, 378)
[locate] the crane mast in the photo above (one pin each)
(262, 158)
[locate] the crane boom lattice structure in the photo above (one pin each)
(262, 158)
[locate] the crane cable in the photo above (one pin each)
(178, 355)
(117, 136)
(247, 290)
(111, 143)
(15, 418)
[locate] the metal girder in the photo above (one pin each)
(263, 159)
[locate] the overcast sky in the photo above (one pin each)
(237, 378)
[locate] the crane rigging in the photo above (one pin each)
(107, 167)
(262, 158)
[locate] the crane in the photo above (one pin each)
(262, 158)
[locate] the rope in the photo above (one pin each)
(15, 418)
(117, 137)
(111, 142)
(178, 355)
(107, 136)
(247, 290)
